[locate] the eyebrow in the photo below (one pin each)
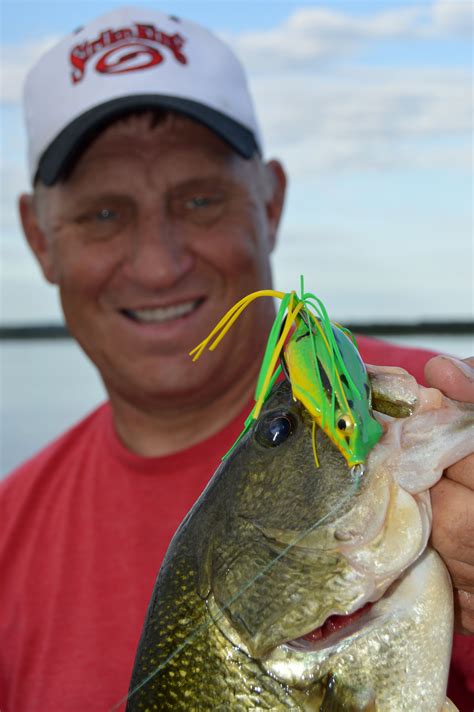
(211, 181)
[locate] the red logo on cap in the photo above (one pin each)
(128, 58)
(131, 49)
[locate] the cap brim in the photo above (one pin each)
(62, 153)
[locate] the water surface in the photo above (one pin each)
(47, 385)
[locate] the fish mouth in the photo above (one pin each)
(162, 314)
(336, 626)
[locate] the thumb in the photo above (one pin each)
(452, 376)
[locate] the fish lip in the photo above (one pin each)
(363, 617)
(358, 619)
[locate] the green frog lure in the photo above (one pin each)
(322, 362)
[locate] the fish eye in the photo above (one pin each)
(274, 430)
(345, 424)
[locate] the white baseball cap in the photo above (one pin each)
(132, 58)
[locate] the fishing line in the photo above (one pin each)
(294, 310)
(357, 473)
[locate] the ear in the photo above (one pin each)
(274, 205)
(37, 240)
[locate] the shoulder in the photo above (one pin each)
(382, 353)
(37, 498)
(51, 461)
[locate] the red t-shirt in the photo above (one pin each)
(84, 527)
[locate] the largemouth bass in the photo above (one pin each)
(296, 586)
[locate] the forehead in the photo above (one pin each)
(152, 137)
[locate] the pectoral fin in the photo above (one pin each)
(341, 698)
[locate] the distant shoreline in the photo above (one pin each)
(17, 332)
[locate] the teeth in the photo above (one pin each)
(161, 314)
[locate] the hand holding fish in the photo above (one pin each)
(453, 497)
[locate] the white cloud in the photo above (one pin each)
(453, 19)
(367, 118)
(321, 112)
(321, 115)
(363, 118)
(311, 36)
(307, 38)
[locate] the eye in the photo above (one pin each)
(345, 424)
(198, 202)
(274, 430)
(105, 214)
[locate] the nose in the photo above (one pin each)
(158, 255)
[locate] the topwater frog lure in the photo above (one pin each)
(322, 362)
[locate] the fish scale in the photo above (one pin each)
(206, 673)
(217, 673)
(246, 578)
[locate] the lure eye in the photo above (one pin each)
(274, 431)
(345, 424)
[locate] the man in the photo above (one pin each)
(153, 212)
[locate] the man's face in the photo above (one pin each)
(155, 235)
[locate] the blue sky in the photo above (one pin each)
(369, 106)
(56, 16)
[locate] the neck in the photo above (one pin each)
(158, 431)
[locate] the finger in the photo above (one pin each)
(455, 378)
(453, 537)
(464, 612)
(462, 576)
(462, 472)
(453, 528)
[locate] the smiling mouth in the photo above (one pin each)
(160, 315)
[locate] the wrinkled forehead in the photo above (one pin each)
(163, 148)
(160, 126)
(153, 130)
